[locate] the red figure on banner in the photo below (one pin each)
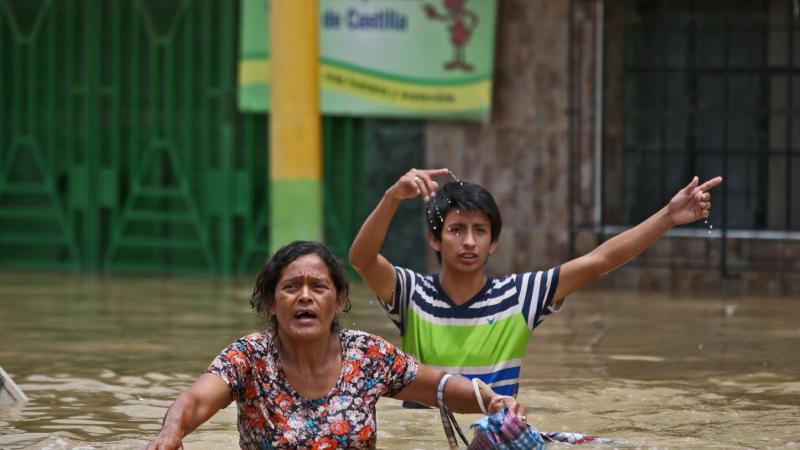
(458, 16)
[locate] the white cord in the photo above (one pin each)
(477, 384)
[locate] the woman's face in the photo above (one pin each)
(306, 301)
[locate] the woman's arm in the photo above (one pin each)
(192, 408)
(459, 395)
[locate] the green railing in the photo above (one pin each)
(121, 147)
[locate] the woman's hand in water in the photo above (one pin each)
(415, 183)
(504, 401)
(693, 202)
(165, 443)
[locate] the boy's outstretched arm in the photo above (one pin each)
(690, 204)
(365, 255)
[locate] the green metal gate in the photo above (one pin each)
(121, 147)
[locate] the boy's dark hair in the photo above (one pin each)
(264, 292)
(466, 197)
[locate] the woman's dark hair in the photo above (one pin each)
(264, 292)
(466, 197)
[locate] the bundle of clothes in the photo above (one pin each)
(506, 430)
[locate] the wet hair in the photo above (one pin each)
(266, 283)
(466, 197)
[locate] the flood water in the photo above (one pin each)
(102, 358)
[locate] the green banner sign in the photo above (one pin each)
(390, 58)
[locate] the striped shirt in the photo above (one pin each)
(485, 337)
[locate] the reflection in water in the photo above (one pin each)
(102, 358)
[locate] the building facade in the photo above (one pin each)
(603, 110)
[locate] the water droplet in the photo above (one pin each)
(434, 227)
(705, 222)
(460, 183)
(711, 227)
(709, 231)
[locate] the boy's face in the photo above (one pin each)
(466, 240)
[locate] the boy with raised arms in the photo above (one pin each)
(462, 320)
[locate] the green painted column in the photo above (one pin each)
(295, 124)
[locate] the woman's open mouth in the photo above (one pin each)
(305, 315)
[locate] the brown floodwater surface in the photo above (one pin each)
(101, 359)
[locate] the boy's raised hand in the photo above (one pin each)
(693, 202)
(417, 182)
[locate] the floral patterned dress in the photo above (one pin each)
(273, 415)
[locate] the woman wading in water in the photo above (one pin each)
(304, 383)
